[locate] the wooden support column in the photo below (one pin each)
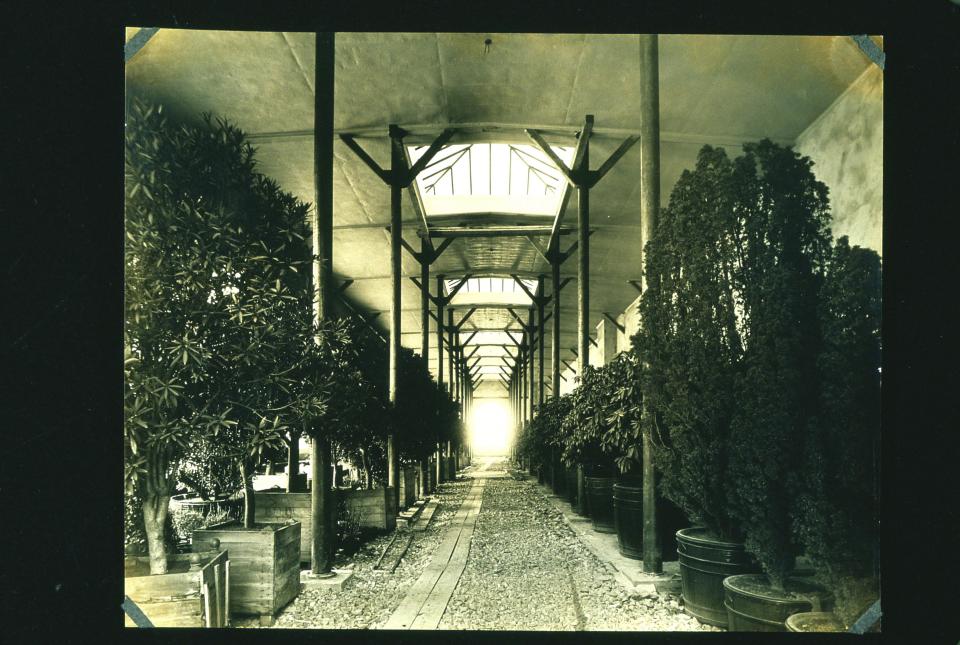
(649, 211)
(541, 332)
(453, 376)
(555, 339)
(321, 497)
(583, 267)
(397, 162)
(438, 466)
(533, 347)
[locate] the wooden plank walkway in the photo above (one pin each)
(427, 599)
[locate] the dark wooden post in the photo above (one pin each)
(425, 258)
(649, 211)
(533, 374)
(321, 498)
(555, 337)
(541, 332)
(583, 266)
(438, 466)
(397, 165)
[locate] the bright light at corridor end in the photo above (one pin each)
(491, 428)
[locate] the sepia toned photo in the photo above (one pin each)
(577, 332)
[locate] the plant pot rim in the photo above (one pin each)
(821, 617)
(237, 525)
(706, 539)
(807, 588)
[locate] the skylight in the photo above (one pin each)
(491, 290)
(491, 178)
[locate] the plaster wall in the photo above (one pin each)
(846, 146)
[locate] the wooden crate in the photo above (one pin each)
(265, 569)
(408, 486)
(181, 598)
(377, 507)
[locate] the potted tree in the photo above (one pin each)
(835, 514)
(690, 350)
(783, 242)
(580, 431)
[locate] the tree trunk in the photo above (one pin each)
(155, 508)
(249, 508)
(293, 463)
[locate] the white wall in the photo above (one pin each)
(846, 146)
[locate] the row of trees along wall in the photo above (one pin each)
(756, 370)
(221, 366)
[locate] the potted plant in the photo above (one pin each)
(168, 282)
(835, 514)
(580, 433)
(783, 240)
(689, 349)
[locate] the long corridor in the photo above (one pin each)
(497, 555)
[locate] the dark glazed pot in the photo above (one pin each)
(704, 563)
(755, 606)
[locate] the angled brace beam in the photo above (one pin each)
(596, 175)
(548, 386)
(506, 348)
(428, 156)
(569, 367)
(593, 342)
(475, 350)
(562, 378)
(447, 241)
(505, 384)
(547, 317)
(636, 285)
(416, 254)
(582, 138)
(622, 329)
(520, 284)
(564, 283)
(538, 140)
(457, 288)
(573, 350)
(432, 297)
(542, 252)
(573, 247)
(470, 337)
(464, 319)
(505, 361)
(367, 159)
(344, 286)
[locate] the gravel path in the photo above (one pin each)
(529, 571)
(371, 596)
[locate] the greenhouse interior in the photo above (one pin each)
(579, 332)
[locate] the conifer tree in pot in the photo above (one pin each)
(690, 349)
(782, 245)
(836, 515)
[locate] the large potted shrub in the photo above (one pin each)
(835, 514)
(581, 431)
(782, 242)
(170, 273)
(690, 349)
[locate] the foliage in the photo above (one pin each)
(542, 433)
(134, 537)
(783, 243)
(689, 344)
(186, 520)
(729, 337)
(423, 414)
(209, 470)
(836, 513)
(620, 412)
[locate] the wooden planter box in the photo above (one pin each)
(408, 486)
(181, 597)
(265, 570)
(377, 508)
